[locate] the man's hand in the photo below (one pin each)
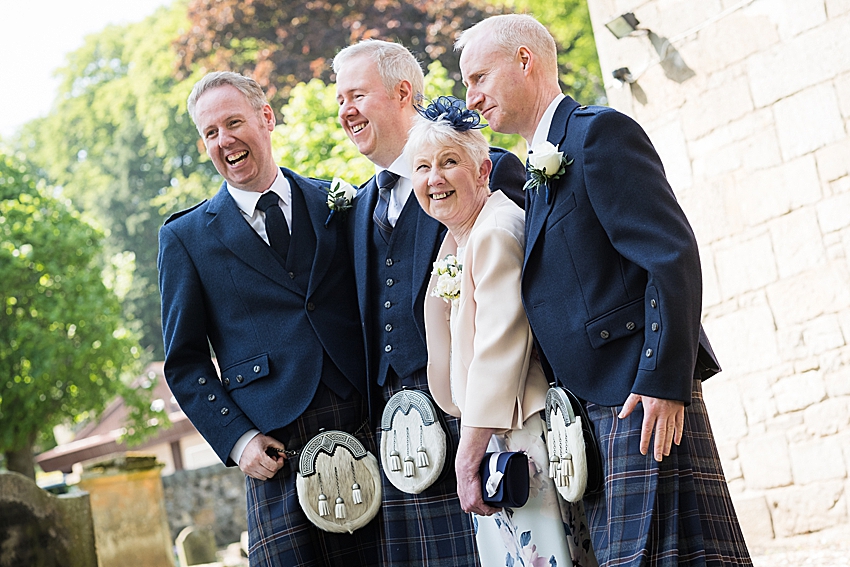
(665, 417)
(256, 463)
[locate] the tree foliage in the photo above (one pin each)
(63, 346)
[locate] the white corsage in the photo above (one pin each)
(448, 272)
(545, 162)
(340, 197)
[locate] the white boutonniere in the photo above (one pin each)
(448, 272)
(340, 197)
(545, 162)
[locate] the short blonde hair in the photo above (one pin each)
(509, 32)
(395, 64)
(245, 85)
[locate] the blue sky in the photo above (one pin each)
(36, 36)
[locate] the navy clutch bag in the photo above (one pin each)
(504, 479)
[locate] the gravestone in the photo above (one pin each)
(38, 529)
(196, 546)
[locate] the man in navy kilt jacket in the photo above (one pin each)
(255, 274)
(378, 84)
(612, 288)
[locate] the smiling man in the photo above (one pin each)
(254, 274)
(395, 243)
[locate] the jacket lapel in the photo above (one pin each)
(230, 227)
(315, 195)
(364, 205)
(540, 208)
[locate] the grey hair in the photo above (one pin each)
(395, 64)
(440, 133)
(245, 85)
(510, 31)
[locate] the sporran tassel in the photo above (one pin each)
(324, 510)
(356, 496)
(339, 509)
(408, 467)
(422, 458)
(395, 461)
(553, 467)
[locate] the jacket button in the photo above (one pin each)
(652, 303)
(390, 282)
(648, 353)
(257, 369)
(387, 305)
(211, 397)
(226, 381)
(311, 306)
(388, 327)
(655, 326)
(630, 326)
(388, 348)
(225, 411)
(239, 378)
(292, 275)
(202, 381)
(389, 262)
(604, 334)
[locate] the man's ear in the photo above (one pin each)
(268, 118)
(404, 92)
(526, 58)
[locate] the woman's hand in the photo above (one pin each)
(470, 452)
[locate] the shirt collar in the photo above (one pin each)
(542, 132)
(247, 200)
(401, 166)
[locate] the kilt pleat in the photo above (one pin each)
(677, 512)
(430, 528)
(279, 534)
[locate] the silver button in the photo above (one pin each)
(648, 353)
(655, 326)
(239, 378)
(202, 380)
(388, 327)
(390, 282)
(292, 275)
(387, 305)
(389, 261)
(630, 326)
(225, 411)
(604, 334)
(256, 369)
(211, 397)
(388, 348)
(652, 303)
(226, 381)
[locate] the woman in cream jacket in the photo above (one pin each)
(480, 362)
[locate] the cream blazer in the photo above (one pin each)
(480, 366)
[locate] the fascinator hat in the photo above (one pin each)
(453, 110)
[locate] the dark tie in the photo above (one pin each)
(386, 181)
(276, 228)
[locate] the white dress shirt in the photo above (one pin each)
(401, 192)
(542, 131)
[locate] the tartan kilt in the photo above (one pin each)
(429, 528)
(677, 512)
(279, 534)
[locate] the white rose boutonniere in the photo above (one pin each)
(340, 196)
(545, 162)
(448, 272)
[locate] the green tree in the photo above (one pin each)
(63, 347)
(117, 138)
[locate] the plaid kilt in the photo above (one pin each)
(677, 512)
(279, 534)
(430, 528)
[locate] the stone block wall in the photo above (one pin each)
(211, 497)
(750, 112)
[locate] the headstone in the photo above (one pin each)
(196, 546)
(39, 529)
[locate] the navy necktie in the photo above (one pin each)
(386, 181)
(276, 228)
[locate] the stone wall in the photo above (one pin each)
(750, 112)
(211, 497)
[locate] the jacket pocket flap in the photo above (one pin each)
(245, 372)
(623, 321)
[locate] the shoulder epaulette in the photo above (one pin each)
(183, 212)
(590, 110)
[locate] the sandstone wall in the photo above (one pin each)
(750, 112)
